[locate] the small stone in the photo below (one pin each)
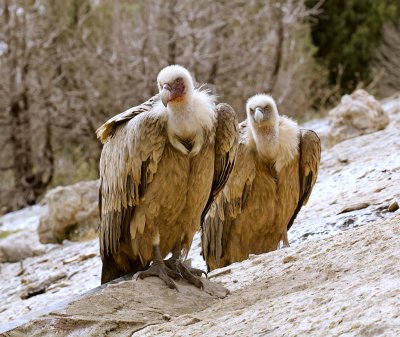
(14, 251)
(40, 287)
(214, 289)
(79, 258)
(393, 207)
(378, 189)
(189, 321)
(354, 207)
(166, 317)
(223, 272)
(289, 258)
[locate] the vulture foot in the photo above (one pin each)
(197, 272)
(189, 275)
(192, 275)
(172, 263)
(163, 272)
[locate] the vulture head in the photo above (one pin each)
(175, 85)
(262, 111)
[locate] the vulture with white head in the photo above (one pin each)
(162, 164)
(275, 171)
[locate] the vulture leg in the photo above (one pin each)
(174, 260)
(192, 275)
(285, 240)
(159, 269)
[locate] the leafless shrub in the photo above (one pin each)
(66, 67)
(387, 65)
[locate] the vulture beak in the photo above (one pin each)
(258, 115)
(165, 94)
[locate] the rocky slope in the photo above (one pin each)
(344, 282)
(341, 285)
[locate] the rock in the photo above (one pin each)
(11, 251)
(72, 213)
(3, 210)
(333, 284)
(356, 115)
(379, 189)
(167, 317)
(393, 207)
(79, 258)
(289, 258)
(354, 207)
(118, 309)
(214, 289)
(343, 160)
(20, 245)
(40, 287)
(219, 272)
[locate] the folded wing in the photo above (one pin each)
(127, 165)
(226, 142)
(229, 203)
(310, 156)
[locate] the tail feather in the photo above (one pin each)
(111, 270)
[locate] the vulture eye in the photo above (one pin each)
(178, 80)
(251, 110)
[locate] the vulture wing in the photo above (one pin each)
(310, 156)
(108, 128)
(226, 140)
(228, 205)
(128, 162)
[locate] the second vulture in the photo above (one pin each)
(274, 173)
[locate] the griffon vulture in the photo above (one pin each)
(162, 165)
(275, 170)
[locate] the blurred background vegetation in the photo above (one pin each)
(67, 66)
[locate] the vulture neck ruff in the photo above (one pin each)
(188, 119)
(266, 139)
(278, 144)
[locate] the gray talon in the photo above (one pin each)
(161, 271)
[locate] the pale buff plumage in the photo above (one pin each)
(275, 170)
(160, 168)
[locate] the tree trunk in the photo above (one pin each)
(279, 52)
(29, 181)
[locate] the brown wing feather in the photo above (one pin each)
(226, 140)
(128, 162)
(229, 203)
(310, 156)
(107, 129)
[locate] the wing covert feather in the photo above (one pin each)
(109, 127)
(127, 165)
